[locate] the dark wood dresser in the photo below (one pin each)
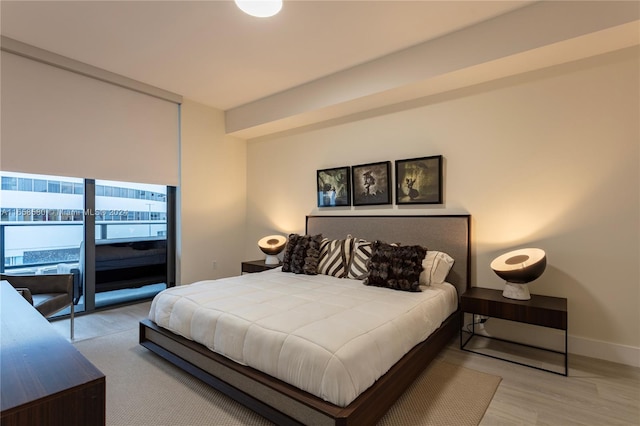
(44, 379)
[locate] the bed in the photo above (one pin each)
(278, 399)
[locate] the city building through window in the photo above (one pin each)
(42, 221)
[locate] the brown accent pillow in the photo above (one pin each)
(395, 267)
(301, 254)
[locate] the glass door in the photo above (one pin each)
(45, 221)
(130, 241)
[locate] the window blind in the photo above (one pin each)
(59, 122)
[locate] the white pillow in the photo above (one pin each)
(437, 265)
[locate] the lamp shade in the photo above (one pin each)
(271, 246)
(518, 268)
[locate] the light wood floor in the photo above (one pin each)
(595, 393)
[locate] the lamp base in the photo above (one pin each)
(516, 291)
(272, 259)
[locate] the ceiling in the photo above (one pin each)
(212, 53)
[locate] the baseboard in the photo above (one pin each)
(622, 354)
(554, 339)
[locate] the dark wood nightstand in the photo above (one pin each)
(544, 311)
(251, 266)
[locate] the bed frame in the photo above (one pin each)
(284, 404)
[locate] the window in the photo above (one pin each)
(38, 215)
(39, 185)
(44, 234)
(25, 184)
(9, 183)
(8, 215)
(35, 240)
(53, 215)
(124, 202)
(66, 187)
(24, 215)
(53, 186)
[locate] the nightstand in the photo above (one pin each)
(544, 311)
(251, 266)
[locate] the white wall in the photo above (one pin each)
(212, 200)
(547, 159)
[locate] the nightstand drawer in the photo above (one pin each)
(252, 266)
(540, 310)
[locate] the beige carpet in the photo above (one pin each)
(143, 389)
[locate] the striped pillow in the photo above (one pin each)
(359, 265)
(334, 257)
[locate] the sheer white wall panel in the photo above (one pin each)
(62, 123)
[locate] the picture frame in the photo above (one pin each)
(334, 187)
(371, 183)
(419, 180)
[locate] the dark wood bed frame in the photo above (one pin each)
(284, 404)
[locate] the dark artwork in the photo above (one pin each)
(372, 184)
(334, 187)
(419, 180)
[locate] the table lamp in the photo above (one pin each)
(518, 268)
(271, 246)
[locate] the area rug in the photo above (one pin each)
(143, 389)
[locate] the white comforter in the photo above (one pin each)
(328, 336)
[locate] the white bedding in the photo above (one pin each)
(331, 337)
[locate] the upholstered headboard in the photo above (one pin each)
(447, 233)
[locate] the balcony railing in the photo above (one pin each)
(38, 247)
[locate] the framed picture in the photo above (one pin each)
(334, 187)
(371, 183)
(419, 180)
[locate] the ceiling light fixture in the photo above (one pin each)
(260, 8)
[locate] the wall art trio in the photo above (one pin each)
(417, 181)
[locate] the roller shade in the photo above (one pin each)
(59, 122)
